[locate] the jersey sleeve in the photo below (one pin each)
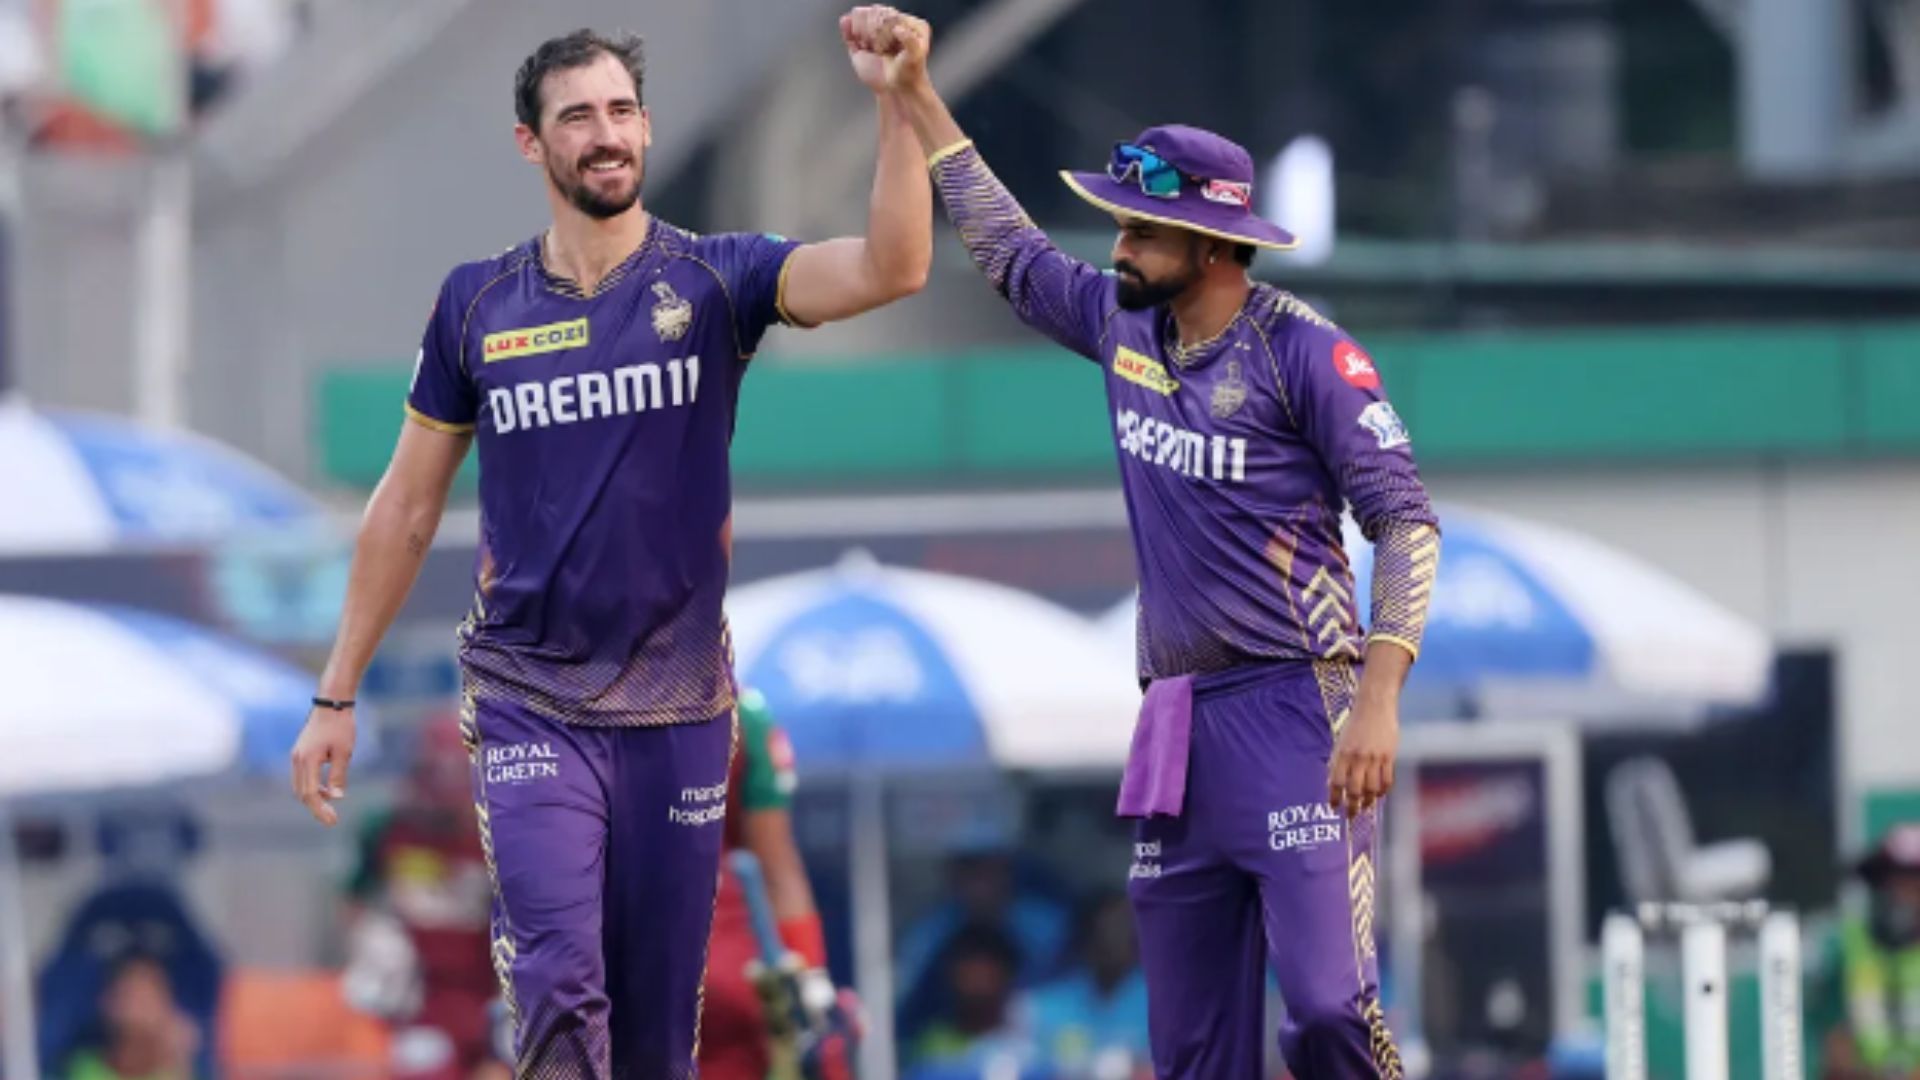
(754, 267)
(1064, 298)
(442, 395)
(769, 776)
(1341, 407)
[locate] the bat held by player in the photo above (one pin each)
(809, 1020)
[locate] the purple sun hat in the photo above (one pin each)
(1185, 177)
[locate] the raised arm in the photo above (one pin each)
(841, 278)
(1062, 297)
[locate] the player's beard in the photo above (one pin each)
(1135, 291)
(574, 184)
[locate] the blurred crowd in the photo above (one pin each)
(996, 979)
(1000, 979)
(74, 73)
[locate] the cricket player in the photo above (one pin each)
(736, 1044)
(1245, 424)
(598, 366)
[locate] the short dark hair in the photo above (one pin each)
(1243, 254)
(575, 50)
(984, 941)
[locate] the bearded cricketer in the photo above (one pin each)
(1245, 424)
(598, 367)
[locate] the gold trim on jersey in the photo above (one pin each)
(466, 320)
(432, 424)
(1273, 365)
(501, 948)
(947, 151)
(1337, 685)
(726, 294)
(1360, 896)
(780, 296)
(1412, 649)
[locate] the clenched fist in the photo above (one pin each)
(888, 49)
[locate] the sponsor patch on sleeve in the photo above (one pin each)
(1380, 419)
(1355, 366)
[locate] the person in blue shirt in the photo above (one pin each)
(984, 885)
(1096, 1014)
(978, 1030)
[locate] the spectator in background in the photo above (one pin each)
(1874, 984)
(983, 889)
(1092, 1022)
(979, 967)
(136, 914)
(419, 914)
(144, 1034)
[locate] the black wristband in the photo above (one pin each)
(335, 705)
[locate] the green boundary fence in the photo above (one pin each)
(1037, 413)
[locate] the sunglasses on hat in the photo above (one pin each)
(1157, 176)
(1161, 178)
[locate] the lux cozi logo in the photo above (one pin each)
(532, 340)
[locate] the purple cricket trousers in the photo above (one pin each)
(1255, 866)
(604, 845)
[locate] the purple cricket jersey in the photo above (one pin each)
(603, 424)
(1237, 455)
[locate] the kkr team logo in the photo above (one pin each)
(672, 314)
(1229, 393)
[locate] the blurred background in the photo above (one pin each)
(1641, 278)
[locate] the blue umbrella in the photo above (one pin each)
(95, 481)
(865, 723)
(887, 667)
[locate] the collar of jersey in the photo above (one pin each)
(1189, 357)
(567, 287)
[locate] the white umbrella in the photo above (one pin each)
(1531, 618)
(100, 697)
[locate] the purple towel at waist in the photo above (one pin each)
(1156, 779)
